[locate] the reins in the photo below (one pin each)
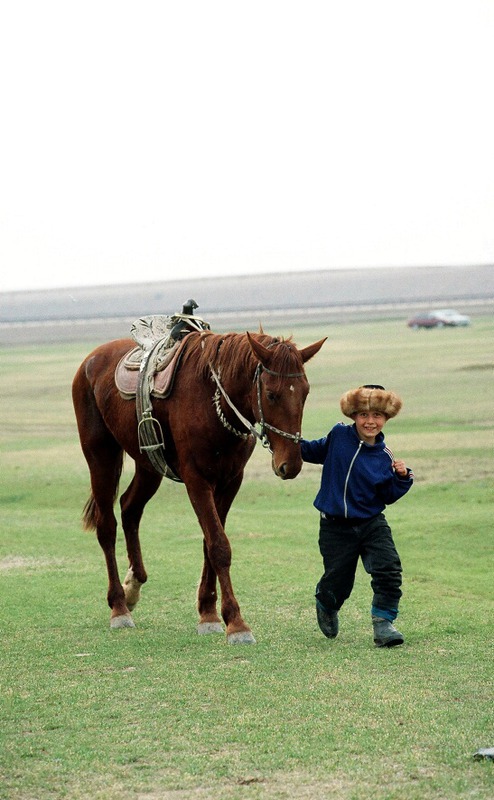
(261, 435)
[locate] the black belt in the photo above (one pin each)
(344, 520)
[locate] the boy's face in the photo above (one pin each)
(369, 424)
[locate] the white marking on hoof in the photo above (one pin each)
(241, 637)
(132, 589)
(123, 621)
(209, 627)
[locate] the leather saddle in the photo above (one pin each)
(165, 366)
(149, 370)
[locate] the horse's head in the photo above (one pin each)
(279, 394)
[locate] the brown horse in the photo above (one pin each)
(226, 384)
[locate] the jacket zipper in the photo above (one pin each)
(352, 462)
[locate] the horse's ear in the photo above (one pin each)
(311, 349)
(261, 328)
(262, 353)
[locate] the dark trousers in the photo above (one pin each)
(342, 542)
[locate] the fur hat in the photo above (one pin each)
(370, 398)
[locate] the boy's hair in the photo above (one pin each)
(370, 397)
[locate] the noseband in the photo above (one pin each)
(261, 435)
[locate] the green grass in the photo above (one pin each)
(158, 712)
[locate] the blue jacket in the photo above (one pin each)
(358, 480)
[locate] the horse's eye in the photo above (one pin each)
(272, 397)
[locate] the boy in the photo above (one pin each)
(360, 477)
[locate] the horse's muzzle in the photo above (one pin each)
(287, 469)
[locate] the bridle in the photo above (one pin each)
(261, 435)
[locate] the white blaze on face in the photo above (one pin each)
(292, 388)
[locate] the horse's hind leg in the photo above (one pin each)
(104, 483)
(142, 487)
(104, 457)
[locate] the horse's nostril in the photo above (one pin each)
(286, 470)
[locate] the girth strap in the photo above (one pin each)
(149, 432)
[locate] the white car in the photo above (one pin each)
(450, 317)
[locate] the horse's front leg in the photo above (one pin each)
(209, 621)
(217, 562)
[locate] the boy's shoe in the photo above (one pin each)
(327, 621)
(385, 634)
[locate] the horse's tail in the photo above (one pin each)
(90, 514)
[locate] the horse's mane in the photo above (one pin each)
(231, 354)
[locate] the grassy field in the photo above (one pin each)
(159, 713)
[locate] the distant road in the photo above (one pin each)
(237, 303)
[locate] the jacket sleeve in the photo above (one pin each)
(315, 451)
(391, 490)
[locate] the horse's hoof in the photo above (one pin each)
(123, 621)
(209, 627)
(241, 637)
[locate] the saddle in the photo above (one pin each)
(160, 341)
(149, 370)
(164, 370)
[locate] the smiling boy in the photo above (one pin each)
(360, 477)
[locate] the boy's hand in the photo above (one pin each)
(400, 468)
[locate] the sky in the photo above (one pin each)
(157, 140)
